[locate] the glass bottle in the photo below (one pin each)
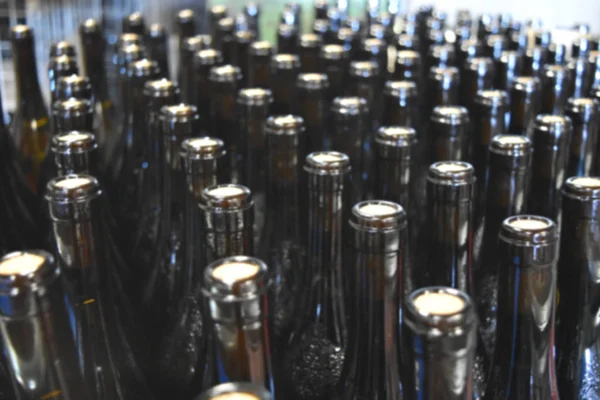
(308, 49)
(450, 136)
(312, 104)
(584, 114)
(158, 48)
(443, 84)
(287, 39)
(477, 74)
(203, 62)
(259, 56)
(508, 67)
(334, 61)
(134, 23)
(190, 46)
(555, 82)
(525, 104)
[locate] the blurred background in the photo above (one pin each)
(54, 20)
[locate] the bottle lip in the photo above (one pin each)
(450, 115)
(511, 145)
(143, 68)
(254, 392)
(320, 26)
(218, 11)
(261, 48)
(553, 127)
(284, 125)
(287, 30)
(127, 39)
(135, 19)
(441, 307)
(208, 57)
(327, 163)
(236, 279)
(226, 197)
(73, 142)
(312, 81)
(528, 230)
(129, 54)
(350, 105)
(437, 50)
(63, 63)
(179, 113)
(492, 98)
(28, 271)
(72, 107)
(72, 189)
(396, 136)
(444, 74)
(196, 43)
(74, 86)
(334, 52)
(451, 173)
(185, 16)
(526, 84)
(225, 73)
(401, 89)
(255, 97)
(244, 37)
(202, 148)
(373, 45)
(408, 57)
(582, 188)
(62, 48)
(364, 69)
(90, 26)
(20, 32)
(161, 88)
(285, 62)
(226, 24)
(378, 215)
(309, 40)
(480, 64)
(584, 107)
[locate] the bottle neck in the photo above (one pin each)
(347, 135)
(135, 123)
(449, 143)
(392, 175)
(548, 174)
(94, 64)
(313, 107)
(29, 95)
(228, 233)
(583, 149)
(252, 142)
(523, 110)
(487, 124)
(400, 113)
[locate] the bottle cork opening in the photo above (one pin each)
(236, 396)
(233, 272)
(72, 137)
(529, 224)
(587, 181)
(199, 143)
(254, 92)
(439, 304)
(377, 210)
(22, 264)
(511, 139)
(226, 191)
(286, 120)
(327, 157)
(452, 167)
(72, 183)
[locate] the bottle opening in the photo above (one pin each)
(587, 182)
(226, 191)
(377, 210)
(235, 396)
(72, 183)
(439, 303)
(21, 264)
(528, 224)
(452, 167)
(203, 142)
(232, 272)
(73, 137)
(327, 157)
(511, 139)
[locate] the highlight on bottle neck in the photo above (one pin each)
(196, 43)
(63, 65)
(582, 110)
(143, 69)
(378, 216)
(234, 279)
(225, 74)
(76, 86)
(255, 97)
(24, 277)
(162, 89)
(364, 69)
(72, 151)
(454, 116)
(227, 197)
(327, 163)
(350, 108)
(201, 148)
(180, 120)
(69, 197)
(529, 231)
(282, 62)
(235, 391)
(551, 130)
(395, 141)
(492, 100)
(73, 114)
(583, 188)
(62, 48)
(401, 91)
(515, 149)
(134, 23)
(311, 82)
(208, 57)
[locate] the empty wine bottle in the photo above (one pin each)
(134, 23)
(467, 49)
(74, 86)
(283, 245)
(400, 104)
(375, 50)
(438, 344)
(583, 44)
(186, 25)
(581, 77)
(73, 115)
(225, 84)
(58, 67)
(75, 152)
(241, 391)
(377, 272)
(287, 39)
(551, 136)
(557, 53)
(227, 222)
(283, 74)
(215, 14)
(204, 61)
(36, 336)
(158, 48)
(508, 67)
(408, 67)
(451, 137)
(576, 339)
(243, 40)
(365, 82)
(252, 12)
(204, 165)
(125, 56)
(30, 126)
(525, 104)
(259, 56)
(223, 37)
(309, 45)
(443, 86)
(477, 75)
(315, 352)
(555, 84)
(312, 105)
(189, 48)
(524, 361)
(334, 61)
(320, 27)
(489, 116)
(583, 159)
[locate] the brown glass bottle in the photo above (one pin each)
(551, 137)
(224, 86)
(365, 81)
(408, 67)
(467, 49)
(283, 73)
(309, 45)
(287, 39)
(259, 56)
(375, 50)
(557, 53)
(525, 104)
(186, 25)
(241, 48)
(442, 55)
(75, 152)
(215, 14)
(477, 75)
(320, 27)
(185, 76)
(252, 12)
(581, 77)
(534, 60)
(348, 38)
(222, 37)
(583, 159)
(443, 86)
(158, 48)
(401, 104)
(312, 104)
(450, 134)
(334, 60)
(134, 23)
(30, 126)
(59, 67)
(508, 67)
(204, 61)
(555, 85)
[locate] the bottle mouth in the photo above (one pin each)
(261, 48)
(327, 163)
(285, 62)
(309, 40)
(237, 278)
(208, 57)
(196, 43)
(378, 215)
(284, 125)
(447, 309)
(235, 396)
(451, 173)
(74, 142)
(510, 145)
(23, 273)
(440, 304)
(582, 188)
(227, 197)
(528, 230)
(236, 391)
(160, 88)
(21, 263)
(312, 81)
(350, 106)
(202, 148)
(255, 97)
(71, 189)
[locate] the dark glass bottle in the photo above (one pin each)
(583, 159)
(59, 67)
(583, 45)
(34, 322)
(320, 27)
(312, 104)
(125, 56)
(477, 75)
(534, 60)
(375, 50)
(467, 49)
(551, 137)
(240, 56)
(372, 358)
(309, 45)
(204, 61)
(557, 54)
(489, 116)
(287, 39)
(315, 352)
(349, 129)
(189, 48)
(443, 86)
(507, 190)
(320, 9)
(62, 48)
(494, 45)
(348, 38)
(186, 25)
(365, 82)
(158, 48)
(334, 60)
(555, 85)
(30, 125)
(283, 74)
(224, 86)
(223, 35)
(74, 86)
(439, 339)
(236, 288)
(240, 391)
(283, 246)
(581, 77)
(508, 67)
(524, 360)
(594, 62)
(400, 104)
(450, 134)
(525, 105)
(442, 55)
(576, 329)
(252, 11)
(75, 152)
(405, 41)
(259, 56)
(134, 23)
(215, 14)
